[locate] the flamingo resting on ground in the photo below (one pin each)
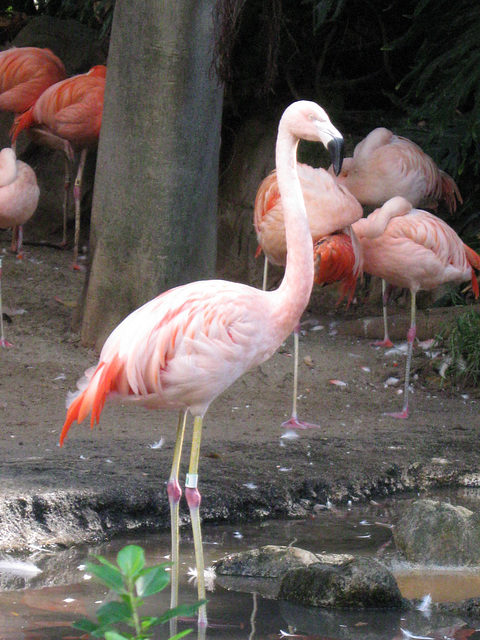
(185, 347)
(385, 165)
(25, 73)
(417, 250)
(68, 116)
(19, 195)
(330, 207)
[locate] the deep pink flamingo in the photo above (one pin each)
(185, 347)
(330, 207)
(68, 116)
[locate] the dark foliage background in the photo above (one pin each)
(413, 66)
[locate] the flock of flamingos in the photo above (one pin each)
(185, 347)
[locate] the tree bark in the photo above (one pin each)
(155, 201)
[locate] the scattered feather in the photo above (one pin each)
(391, 382)
(407, 634)
(13, 312)
(250, 485)
(285, 469)
(426, 604)
(366, 369)
(209, 573)
(18, 568)
(338, 383)
(318, 327)
(238, 535)
(157, 445)
(62, 376)
(290, 434)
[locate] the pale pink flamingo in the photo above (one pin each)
(68, 116)
(413, 249)
(25, 73)
(385, 165)
(329, 207)
(19, 194)
(185, 347)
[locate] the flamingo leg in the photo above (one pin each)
(293, 422)
(3, 342)
(410, 339)
(265, 274)
(193, 497)
(76, 194)
(17, 240)
(66, 190)
(386, 342)
(174, 494)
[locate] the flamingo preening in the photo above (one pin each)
(182, 349)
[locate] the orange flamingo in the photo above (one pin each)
(385, 165)
(19, 194)
(185, 347)
(25, 73)
(68, 116)
(330, 207)
(413, 249)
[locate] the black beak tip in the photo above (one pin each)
(336, 147)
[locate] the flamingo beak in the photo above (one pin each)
(336, 148)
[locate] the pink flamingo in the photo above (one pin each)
(25, 73)
(185, 347)
(19, 195)
(68, 116)
(385, 165)
(330, 207)
(417, 250)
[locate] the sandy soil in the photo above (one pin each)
(114, 477)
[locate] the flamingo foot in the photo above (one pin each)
(5, 343)
(402, 415)
(387, 343)
(295, 423)
(78, 267)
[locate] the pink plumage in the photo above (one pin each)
(329, 207)
(19, 194)
(385, 165)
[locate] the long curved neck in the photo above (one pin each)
(296, 287)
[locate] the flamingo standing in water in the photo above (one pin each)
(19, 195)
(330, 207)
(184, 348)
(68, 116)
(385, 165)
(414, 249)
(25, 73)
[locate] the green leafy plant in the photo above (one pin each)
(462, 345)
(132, 582)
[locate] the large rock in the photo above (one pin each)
(433, 532)
(359, 583)
(270, 561)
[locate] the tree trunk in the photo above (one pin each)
(155, 200)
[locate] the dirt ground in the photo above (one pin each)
(113, 479)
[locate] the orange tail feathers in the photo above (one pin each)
(22, 122)
(92, 400)
(474, 259)
(334, 261)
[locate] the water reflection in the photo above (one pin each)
(43, 606)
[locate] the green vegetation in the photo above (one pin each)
(462, 347)
(132, 582)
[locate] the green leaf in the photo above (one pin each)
(184, 610)
(181, 634)
(110, 576)
(113, 612)
(85, 625)
(131, 560)
(114, 635)
(152, 581)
